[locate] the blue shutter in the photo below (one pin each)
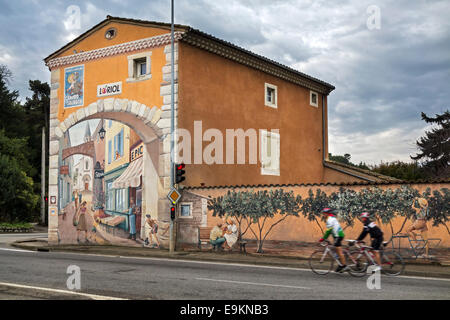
(115, 147)
(109, 151)
(121, 143)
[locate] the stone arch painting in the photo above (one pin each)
(126, 201)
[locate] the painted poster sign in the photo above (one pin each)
(74, 86)
(137, 152)
(109, 89)
(64, 170)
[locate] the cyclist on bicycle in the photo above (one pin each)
(375, 234)
(334, 228)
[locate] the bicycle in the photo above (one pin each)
(321, 261)
(392, 263)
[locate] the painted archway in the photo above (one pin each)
(153, 127)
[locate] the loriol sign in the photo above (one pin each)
(109, 89)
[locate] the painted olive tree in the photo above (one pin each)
(233, 204)
(384, 205)
(313, 205)
(259, 209)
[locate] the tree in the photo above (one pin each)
(401, 170)
(17, 200)
(36, 111)
(435, 145)
(12, 119)
(234, 204)
(313, 205)
(17, 148)
(257, 208)
(345, 159)
(439, 206)
(265, 205)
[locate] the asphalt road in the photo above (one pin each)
(156, 278)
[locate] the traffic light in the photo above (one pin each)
(179, 172)
(172, 213)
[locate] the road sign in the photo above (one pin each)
(174, 196)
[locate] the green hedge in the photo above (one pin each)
(16, 227)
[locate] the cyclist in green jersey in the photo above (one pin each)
(334, 228)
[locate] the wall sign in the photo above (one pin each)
(52, 200)
(109, 89)
(74, 86)
(137, 152)
(64, 170)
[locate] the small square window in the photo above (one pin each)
(313, 99)
(270, 95)
(186, 210)
(139, 67)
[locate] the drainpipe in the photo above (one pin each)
(323, 129)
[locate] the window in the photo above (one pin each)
(270, 95)
(120, 199)
(110, 33)
(87, 165)
(109, 196)
(313, 99)
(139, 67)
(109, 123)
(270, 152)
(186, 210)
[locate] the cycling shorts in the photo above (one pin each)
(376, 243)
(338, 241)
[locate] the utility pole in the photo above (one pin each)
(43, 178)
(172, 123)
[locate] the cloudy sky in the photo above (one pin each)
(389, 60)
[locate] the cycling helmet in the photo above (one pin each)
(329, 211)
(364, 214)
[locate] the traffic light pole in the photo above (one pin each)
(172, 123)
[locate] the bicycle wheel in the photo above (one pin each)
(358, 263)
(321, 263)
(392, 263)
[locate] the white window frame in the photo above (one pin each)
(133, 60)
(268, 103)
(190, 204)
(274, 169)
(310, 99)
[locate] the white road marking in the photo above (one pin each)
(422, 278)
(92, 296)
(253, 283)
(17, 250)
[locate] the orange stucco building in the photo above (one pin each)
(121, 70)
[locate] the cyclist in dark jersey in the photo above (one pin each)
(375, 234)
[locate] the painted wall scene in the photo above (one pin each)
(414, 218)
(101, 189)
